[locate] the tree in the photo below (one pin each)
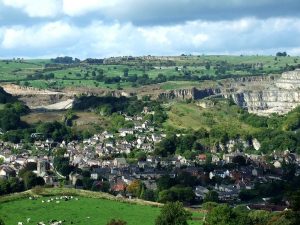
(164, 182)
(116, 222)
(211, 196)
(4, 187)
(295, 201)
(281, 54)
(126, 71)
(177, 193)
(173, 214)
(135, 188)
(240, 160)
(61, 164)
(220, 215)
(31, 180)
(207, 66)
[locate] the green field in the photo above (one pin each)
(84, 211)
(84, 75)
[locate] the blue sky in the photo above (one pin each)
(103, 28)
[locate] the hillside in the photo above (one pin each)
(90, 208)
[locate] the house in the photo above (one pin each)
(150, 184)
(125, 131)
(201, 158)
(200, 192)
(244, 184)
(147, 147)
(48, 178)
(74, 177)
(120, 162)
(219, 173)
(156, 138)
(7, 171)
(109, 135)
(138, 127)
(21, 161)
(42, 166)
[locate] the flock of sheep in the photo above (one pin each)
(56, 200)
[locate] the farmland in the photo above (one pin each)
(94, 210)
(121, 73)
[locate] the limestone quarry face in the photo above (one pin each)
(289, 80)
(262, 95)
(280, 96)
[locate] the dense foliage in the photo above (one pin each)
(5, 97)
(225, 215)
(173, 214)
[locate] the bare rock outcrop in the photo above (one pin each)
(192, 93)
(279, 97)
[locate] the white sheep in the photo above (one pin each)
(20, 223)
(41, 223)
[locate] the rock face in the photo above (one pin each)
(268, 101)
(279, 97)
(262, 95)
(192, 93)
(289, 80)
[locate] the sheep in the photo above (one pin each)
(28, 220)
(41, 223)
(57, 202)
(20, 223)
(57, 223)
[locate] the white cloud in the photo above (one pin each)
(45, 36)
(36, 8)
(100, 39)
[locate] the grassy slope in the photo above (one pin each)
(191, 116)
(84, 120)
(99, 207)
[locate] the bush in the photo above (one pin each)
(173, 214)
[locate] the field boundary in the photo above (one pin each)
(43, 192)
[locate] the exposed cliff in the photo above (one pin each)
(192, 93)
(279, 96)
(36, 98)
(262, 95)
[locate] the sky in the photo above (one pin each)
(105, 28)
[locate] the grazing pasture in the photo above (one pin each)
(78, 210)
(48, 75)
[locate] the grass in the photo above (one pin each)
(84, 120)
(220, 116)
(82, 75)
(91, 208)
(172, 85)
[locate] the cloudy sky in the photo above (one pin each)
(103, 28)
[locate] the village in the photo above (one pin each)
(104, 160)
